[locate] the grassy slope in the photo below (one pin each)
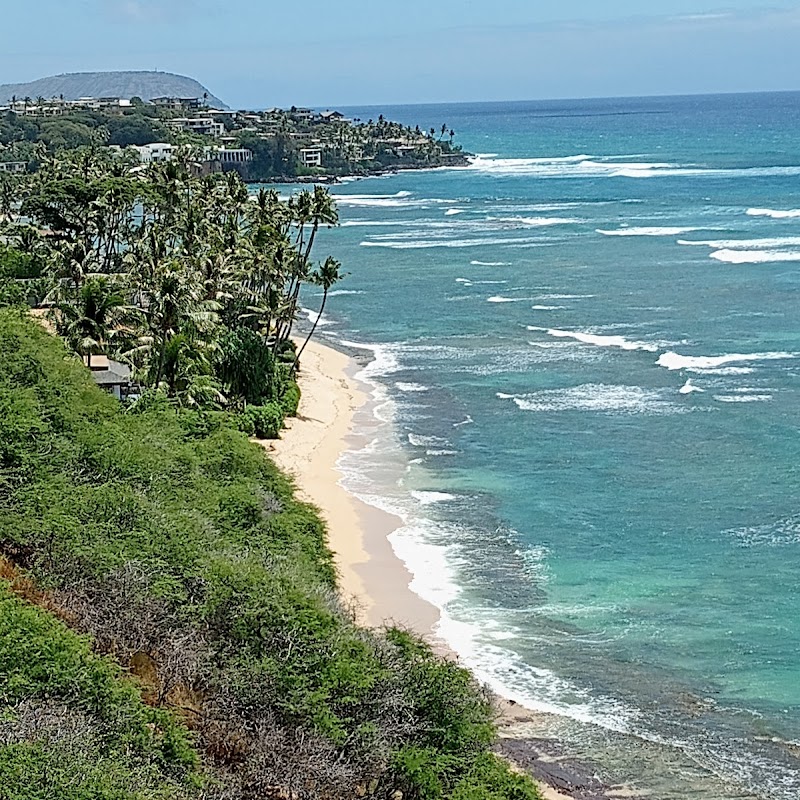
(180, 548)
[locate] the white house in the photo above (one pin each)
(152, 153)
(201, 125)
(311, 156)
(234, 155)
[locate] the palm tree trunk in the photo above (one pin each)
(310, 334)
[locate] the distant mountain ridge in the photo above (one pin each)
(146, 84)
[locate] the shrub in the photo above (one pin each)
(291, 399)
(264, 422)
(71, 726)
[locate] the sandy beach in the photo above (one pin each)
(371, 576)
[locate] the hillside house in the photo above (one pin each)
(112, 376)
(204, 126)
(311, 156)
(153, 153)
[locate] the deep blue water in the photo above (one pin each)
(588, 375)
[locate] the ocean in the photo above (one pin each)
(586, 373)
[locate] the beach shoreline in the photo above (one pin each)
(372, 578)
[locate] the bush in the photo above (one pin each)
(491, 779)
(291, 399)
(72, 727)
(263, 422)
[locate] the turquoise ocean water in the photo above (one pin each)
(587, 381)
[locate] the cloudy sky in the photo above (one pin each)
(329, 52)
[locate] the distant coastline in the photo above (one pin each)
(463, 160)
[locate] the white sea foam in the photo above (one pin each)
(782, 532)
(524, 209)
(755, 256)
(596, 397)
(501, 299)
(793, 213)
(745, 244)
(742, 398)
(565, 296)
(559, 166)
(649, 231)
(441, 452)
(490, 264)
(412, 387)
(429, 498)
(417, 440)
(411, 244)
(598, 340)
(673, 171)
(547, 308)
(397, 200)
(373, 223)
(534, 222)
(451, 212)
(467, 421)
(315, 317)
(690, 388)
(384, 361)
(675, 361)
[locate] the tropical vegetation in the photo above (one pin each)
(172, 545)
(192, 281)
(170, 625)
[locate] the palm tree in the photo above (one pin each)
(326, 276)
(89, 323)
(174, 305)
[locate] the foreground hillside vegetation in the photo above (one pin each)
(176, 548)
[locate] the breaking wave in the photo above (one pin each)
(598, 340)
(596, 397)
(675, 361)
(774, 213)
(653, 231)
(755, 256)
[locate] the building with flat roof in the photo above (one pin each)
(178, 103)
(204, 126)
(225, 156)
(153, 153)
(311, 156)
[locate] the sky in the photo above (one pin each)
(361, 52)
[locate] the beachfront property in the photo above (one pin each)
(228, 156)
(311, 156)
(112, 376)
(332, 116)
